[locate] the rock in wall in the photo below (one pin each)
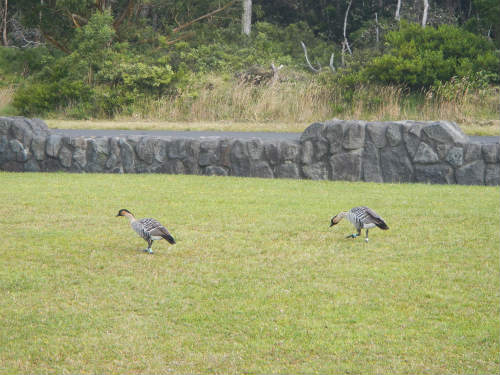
(403, 151)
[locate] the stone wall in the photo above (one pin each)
(404, 151)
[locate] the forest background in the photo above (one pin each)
(274, 61)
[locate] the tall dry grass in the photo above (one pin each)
(307, 100)
(6, 96)
(298, 102)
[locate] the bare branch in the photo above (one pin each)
(55, 43)
(377, 39)
(78, 20)
(332, 67)
(307, 59)
(182, 37)
(345, 27)
(187, 24)
(126, 12)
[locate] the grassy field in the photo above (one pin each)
(257, 282)
(479, 128)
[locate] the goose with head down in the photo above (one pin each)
(149, 229)
(362, 218)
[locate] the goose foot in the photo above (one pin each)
(149, 251)
(354, 235)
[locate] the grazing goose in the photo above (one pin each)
(149, 229)
(362, 218)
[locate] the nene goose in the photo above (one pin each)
(362, 218)
(149, 229)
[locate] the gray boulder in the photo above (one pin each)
(213, 170)
(445, 132)
(434, 174)
(334, 133)
(65, 157)
(316, 171)
(261, 169)
(425, 154)
(53, 145)
(127, 155)
(471, 174)
(371, 164)
(394, 134)
(376, 133)
(455, 156)
(288, 170)
(492, 174)
(354, 135)
(396, 165)
(490, 152)
(209, 152)
(346, 166)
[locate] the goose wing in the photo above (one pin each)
(155, 228)
(372, 217)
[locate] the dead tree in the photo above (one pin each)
(316, 70)
(307, 60)
(275, 72)
(246, 19)
(345, 42)
(5, 41)
(398, 9)
(426, 10)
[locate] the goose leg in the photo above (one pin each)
(366, 237)
(354, 235)
(149, 250)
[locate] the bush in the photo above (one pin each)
(421, 57)
(16, 63)
(39, 98)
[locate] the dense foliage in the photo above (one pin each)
(421, 57)
(98, 56)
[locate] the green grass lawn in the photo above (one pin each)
(257, 282)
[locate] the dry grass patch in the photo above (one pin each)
(167, 125)
(6, 96)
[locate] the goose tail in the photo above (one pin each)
(169, 238)
(382, 225)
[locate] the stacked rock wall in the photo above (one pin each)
(406, 151)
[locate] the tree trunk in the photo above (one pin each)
(377, 33)
(5, 41)
(346, 43)
(426, 10)
(246, 19)
(398, 9)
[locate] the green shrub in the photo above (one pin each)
(16, 63)
(421, 57)
(39, 98)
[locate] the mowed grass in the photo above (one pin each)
(257, 282)
(488, 128)
(229, 126)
